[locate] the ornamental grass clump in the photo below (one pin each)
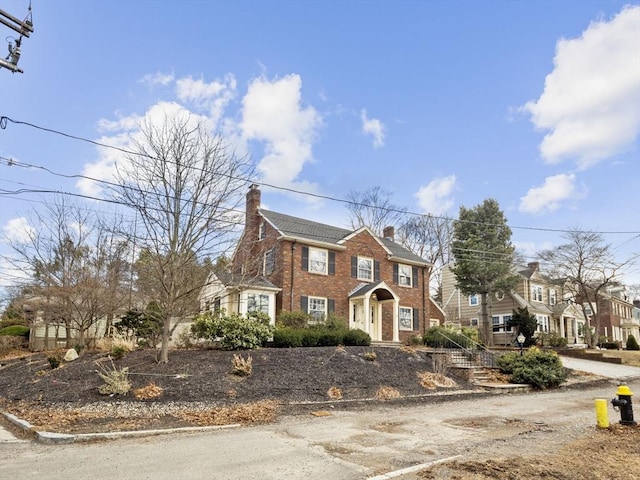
(242, 367)
(116, 382)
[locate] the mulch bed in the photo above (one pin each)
(197, 387)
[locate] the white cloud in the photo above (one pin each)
(18, 230)
(373, 127)
(551, 194)
(125, 130)
(590, 101)
(436, 197)
(213, 96)
(158, 78)
(273, 113)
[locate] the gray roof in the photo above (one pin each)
(319, 232)
(234, 279)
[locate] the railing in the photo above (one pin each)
(468, 355)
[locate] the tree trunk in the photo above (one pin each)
(164, 348)
(487, 328)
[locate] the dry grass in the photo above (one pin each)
(116, 382)
(242, 367)
(408, 349)
(117, 341)
(334, 393)
(148, 392)
(370, 355)
(431, 380)
(259, 412)
(387, 393)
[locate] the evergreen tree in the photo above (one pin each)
(484, 256)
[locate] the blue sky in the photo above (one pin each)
(533, 103)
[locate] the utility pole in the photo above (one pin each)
(24, 28)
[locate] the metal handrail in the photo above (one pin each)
(486, 357)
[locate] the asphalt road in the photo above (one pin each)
(344, 445)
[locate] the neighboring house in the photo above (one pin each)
(287, 264)
(616, 316)
(554, 310)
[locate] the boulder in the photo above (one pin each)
(71, 355)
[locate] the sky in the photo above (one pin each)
(441, 103)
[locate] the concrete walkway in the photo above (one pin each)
(605, 369)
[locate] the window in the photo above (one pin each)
(318, 260)
(474, 322)
(257, 302)
(404, 275)
(500, 323)
(552, 296)
(269, 263)
(318, 308)
(543, 323)
(536, 293)
(365, 269)
(262, 230)
(405, 318)
(473, 299)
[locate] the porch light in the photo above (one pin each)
(521, 338)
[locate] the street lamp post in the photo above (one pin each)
(521, 338)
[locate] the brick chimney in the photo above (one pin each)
(534, 265)
(252, 220)
(388, 232)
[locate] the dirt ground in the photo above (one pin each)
(197, 387)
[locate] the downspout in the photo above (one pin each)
(293, 248)
(424, 304)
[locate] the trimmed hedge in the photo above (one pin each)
(286, 337)
(632, 343)
(15, 331)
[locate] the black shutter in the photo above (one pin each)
(305, 258)
(376, 270)
(331, 305)
(354, 267)
(414, 274)
(304, 304)
(395, 273)
(416, 319)
(332, 263)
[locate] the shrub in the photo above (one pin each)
(287, 337)
(443, 337)
(632, 343)
(538, 368)
(15, 331)
(234, 331)
(609, 345)
(54, 360)
(9, 343)
(293, 320)
(116, 382)
(552, 340)
(328, 337)
(356, 337)
(118, 352)
(243, 367)
(310, 338)
(415, 340)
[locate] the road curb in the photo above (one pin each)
(55, 438)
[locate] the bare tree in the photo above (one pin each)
(430, 238)
(585, 267)
(373, 208)
(185, 185)
(69, 258)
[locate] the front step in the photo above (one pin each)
(385, 343)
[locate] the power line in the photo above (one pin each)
(4, 120)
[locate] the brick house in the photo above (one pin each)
(615, 314)
(287, 264)
(555, 311)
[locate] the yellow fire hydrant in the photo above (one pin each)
(623, 402)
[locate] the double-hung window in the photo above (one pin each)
(269, 262)
(405, 318)
(318, 308)
(552, 296)
(318, 260)
(404, 275)
(365, 269)
(536, 293)
(473, 300)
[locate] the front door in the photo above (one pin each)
(373, 318)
